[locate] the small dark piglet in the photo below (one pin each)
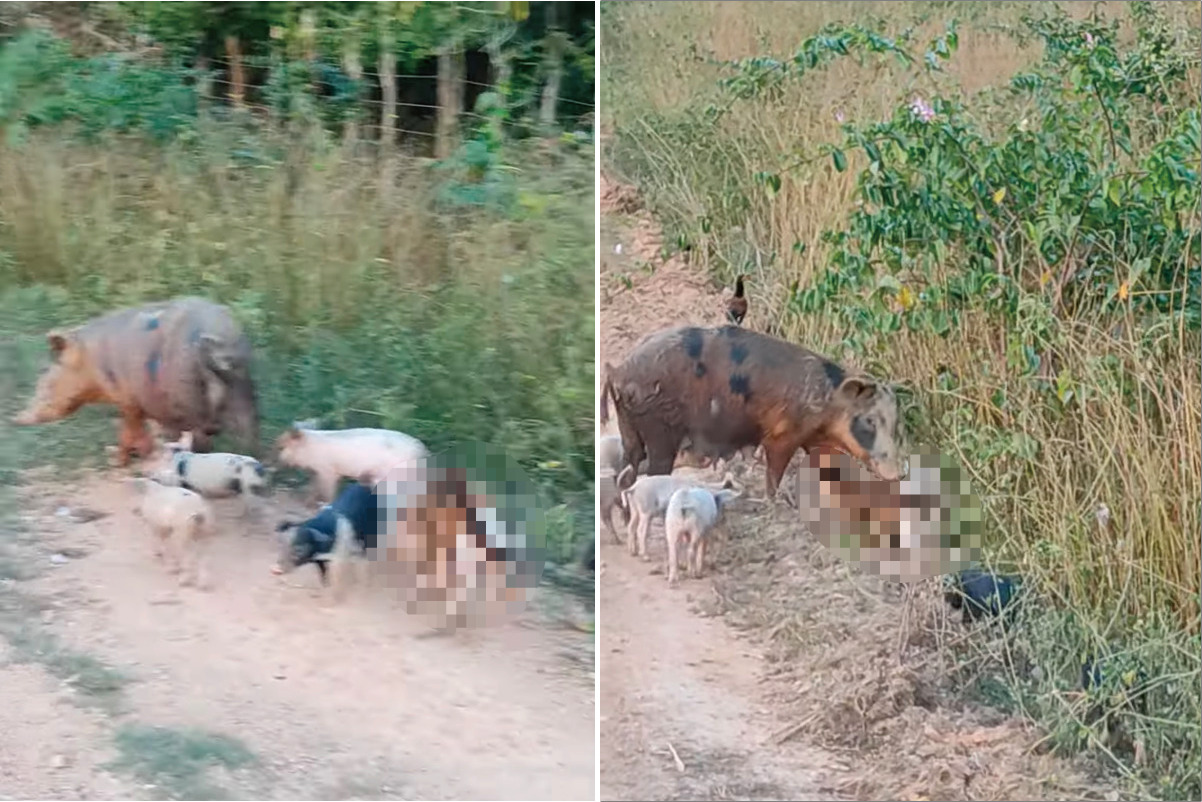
(978, 593)
(350, 524)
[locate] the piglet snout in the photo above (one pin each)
(277, 570)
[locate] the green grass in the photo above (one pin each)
(177, 761)
(95, 684)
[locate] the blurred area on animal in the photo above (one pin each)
(465, 536)
(925, 525)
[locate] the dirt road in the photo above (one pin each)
(783, 674)
(682, 714)
(262, 690)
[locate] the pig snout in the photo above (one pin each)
(37, 411)
(887, 470)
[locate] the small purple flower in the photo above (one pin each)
(1088, 39)
(839, 115)
(921, 109)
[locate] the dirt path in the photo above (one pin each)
(672, 677)
(350, 702)
(673, 680)
(784, 674)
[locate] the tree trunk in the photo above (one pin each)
(556, 44)
(204, 87)
(308, 41)
(233, 54)
(502, 71)
(452, 66)
(353, 66)
(387, 70)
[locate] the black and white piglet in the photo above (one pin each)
(349, 526)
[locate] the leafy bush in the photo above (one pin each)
(41, 84)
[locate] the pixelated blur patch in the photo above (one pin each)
(465, 536)
(925, 525)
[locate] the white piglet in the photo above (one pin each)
(182, 522)
(361, 454)
(692, 516)
(609, 453)
(647, 499)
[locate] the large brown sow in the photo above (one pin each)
(729, 388)
(184, 363)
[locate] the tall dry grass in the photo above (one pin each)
(1135, 445)
(373, 296)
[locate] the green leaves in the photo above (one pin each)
(839, 159)
(770, 182)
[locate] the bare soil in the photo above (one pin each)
(351, 701)
(784, 673)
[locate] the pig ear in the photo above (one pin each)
(58, 340)
(857, 388)
(215, 354)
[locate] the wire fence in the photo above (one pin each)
(355, 93)
(260, 64)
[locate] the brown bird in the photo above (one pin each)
(736, 307)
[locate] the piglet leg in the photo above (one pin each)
(673, 558)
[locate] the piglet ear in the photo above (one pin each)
(58, 340)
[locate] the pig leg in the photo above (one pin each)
(321, 491)
(133, 437)
(202, 441)
(171, 540)
(644, 526)
(673, 558)
(609, 519)
(777, 454)
(188, 546)
(631, 528)
(698, 549)
(661, 460)
(198, 559)
(160, 542)
(633, 450)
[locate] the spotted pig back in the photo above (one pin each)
(729, 388)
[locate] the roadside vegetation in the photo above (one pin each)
(396, 200)
(997, 207)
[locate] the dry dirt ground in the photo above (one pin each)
(264, 691)
(782, 674)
